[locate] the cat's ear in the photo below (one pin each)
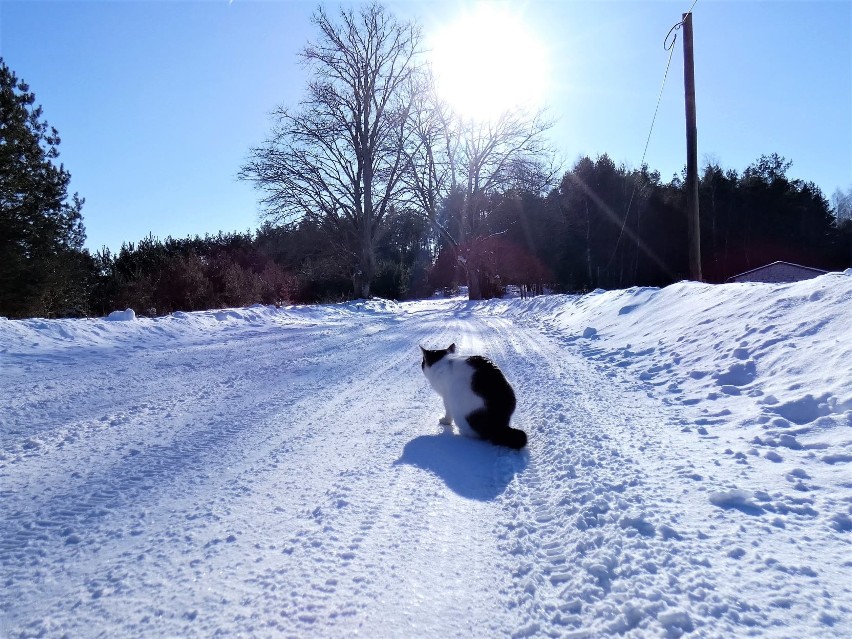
(452, 348)
(422, 350)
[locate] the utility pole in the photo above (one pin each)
(691, 153)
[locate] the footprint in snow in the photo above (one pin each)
(737, 499)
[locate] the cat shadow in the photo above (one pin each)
(471, 468)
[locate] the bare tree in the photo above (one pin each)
(431, 148)
(462, 163)
(841, 202)
(338, 157)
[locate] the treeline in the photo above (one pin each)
(295, 264)
(607, 226)
(603, 226)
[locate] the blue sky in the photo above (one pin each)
(158, 102)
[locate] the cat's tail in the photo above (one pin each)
(511, 437)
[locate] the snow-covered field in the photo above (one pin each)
(269, 472)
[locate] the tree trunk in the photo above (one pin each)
(366, 268)
(474, 288)
(589, 245)
(361, 279)
(361, 285)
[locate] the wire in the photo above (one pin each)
(673, 34)
(668, 46)
(660, 95)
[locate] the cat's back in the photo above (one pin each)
(488, 381)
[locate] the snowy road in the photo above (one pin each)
(290, 479)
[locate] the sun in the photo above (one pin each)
(487, 60)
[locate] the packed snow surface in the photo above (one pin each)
(268, 472)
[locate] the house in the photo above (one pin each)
(778, 272)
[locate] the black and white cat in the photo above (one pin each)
(476, 395)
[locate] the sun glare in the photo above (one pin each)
(487, 61)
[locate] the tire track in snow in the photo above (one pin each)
(197, 395)
(177, 472)
(379, 507)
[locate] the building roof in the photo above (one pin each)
(815, 271)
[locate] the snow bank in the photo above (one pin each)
(123, 327)
(782, 351)
(122, 316)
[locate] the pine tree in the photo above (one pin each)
(41, 231)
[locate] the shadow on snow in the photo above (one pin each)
(471, 468)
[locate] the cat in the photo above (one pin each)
(476, 395)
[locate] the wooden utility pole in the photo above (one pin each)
(691, 153)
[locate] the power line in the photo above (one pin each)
(668, 46)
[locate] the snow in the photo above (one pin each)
(281, 471)
(127, 315)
